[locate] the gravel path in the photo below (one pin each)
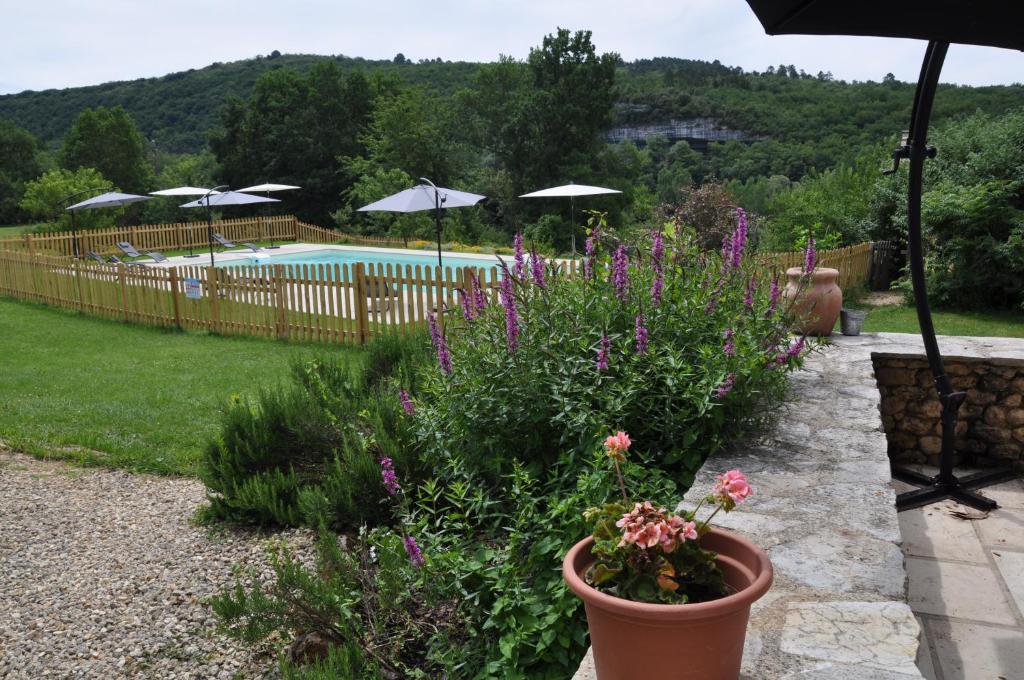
(102, 576)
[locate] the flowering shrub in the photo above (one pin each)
(645, 553)
(684, 349)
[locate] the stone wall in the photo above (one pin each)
(991, 426)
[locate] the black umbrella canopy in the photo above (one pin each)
(995, 23)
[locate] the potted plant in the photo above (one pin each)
(666, 595)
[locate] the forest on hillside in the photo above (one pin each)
(804, 160)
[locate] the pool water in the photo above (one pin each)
(351, 257)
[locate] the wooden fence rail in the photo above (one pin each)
(335, 303)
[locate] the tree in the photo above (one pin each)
(47, 197)
(109, 141)
(18, 164)
(292, 129)
(197, 170)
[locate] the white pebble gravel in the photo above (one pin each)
(103, 576)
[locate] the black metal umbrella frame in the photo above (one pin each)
(945, 485)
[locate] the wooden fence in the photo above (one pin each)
(336, 303)
(853, 263)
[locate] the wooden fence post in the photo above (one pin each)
(281, 302)
(362, 311)
(175, 304)
(211, 287)
(179, 237)
(124, 290)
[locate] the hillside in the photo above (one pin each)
(177, 111)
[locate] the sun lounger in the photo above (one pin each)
(219, 238)
(128, 249)
(114, 259)
(93, 255)
(157, 256)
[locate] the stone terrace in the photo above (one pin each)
(825, 511)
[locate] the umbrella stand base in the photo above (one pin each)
(193, 255)
(959, 489)
(270, 247)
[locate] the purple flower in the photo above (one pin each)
(406, 400)
(520, 265)
(773, 295)
(657, 286)
(726, 251)
(479, 297)
(729, 349)
(589, 248)
(468, 313)
(748, 297)
(511, 313)
(537, 265)
(810, 256)
(603, 353)
(739, 238)
(387, 475)
(725, 387)
(657, 247)
(444, 357)
(712, 304)
(791, 353)
(412, 549)
(620, 272)
(641, 334)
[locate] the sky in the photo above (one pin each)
(67, 43)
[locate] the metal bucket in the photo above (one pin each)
(851, 321)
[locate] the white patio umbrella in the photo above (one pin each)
(214, 198)
(184, 191)
(111, 199)
(571, 191)
(425, 196)
(266, 189)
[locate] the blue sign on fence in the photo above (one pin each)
(193, 289)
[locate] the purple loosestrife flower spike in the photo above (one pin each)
(657, 246)
(412, 549)
(479, 297)
(603, 353)
(620, 272)
(726, 251)
(538, 266)
(444, 358)
(520, 261)
(739, 239)
(810, 256)
(387, 475)
(657, 286)
(729, 349)
(407, 404)
(468, 313)
(511, 313)
(726, 386)
(641, 334)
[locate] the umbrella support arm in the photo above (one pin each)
(945, 484)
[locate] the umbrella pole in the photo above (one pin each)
(945, 484)
(209, 229)
(270, 232)
(572, 223)
(437, 222)
(74, 235)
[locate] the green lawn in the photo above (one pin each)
(107, 393)
(903, 319)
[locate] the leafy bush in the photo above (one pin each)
(577, 363)
(306, 453)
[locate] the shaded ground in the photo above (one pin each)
(102, 576)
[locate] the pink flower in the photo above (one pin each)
(731, 488)
(688, 532)
(617, 444)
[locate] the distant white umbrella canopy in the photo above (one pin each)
(264, 188)
(182, 191)
(111, 199)
(227, 198)
(425, 196)
(571, 191)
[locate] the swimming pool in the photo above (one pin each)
(374, 257)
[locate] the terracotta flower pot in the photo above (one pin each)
(702, 641)
(817, 302)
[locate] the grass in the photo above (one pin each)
(902, 318)
(105, 393)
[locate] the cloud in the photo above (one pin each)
(65, 43)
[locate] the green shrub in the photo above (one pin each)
(307, 452)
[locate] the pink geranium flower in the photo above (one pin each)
(732, 488)
(617, 444)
